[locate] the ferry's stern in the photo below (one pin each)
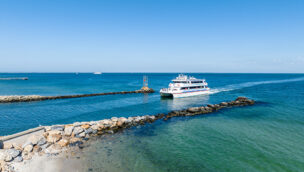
(166, 92)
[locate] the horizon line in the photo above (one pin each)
(168, 72)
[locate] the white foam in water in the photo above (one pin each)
(251, 84)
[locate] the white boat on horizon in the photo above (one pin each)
(185, 86)
(97, 73)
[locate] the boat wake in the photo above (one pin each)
(251, 84)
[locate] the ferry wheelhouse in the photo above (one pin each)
(184, 86)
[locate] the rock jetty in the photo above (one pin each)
(29, 98)
(59, 138)
(23, 78)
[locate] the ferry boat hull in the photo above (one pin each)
(185, 94)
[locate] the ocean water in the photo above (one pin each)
(265, 137)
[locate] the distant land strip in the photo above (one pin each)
(29, 98)
(21, 78)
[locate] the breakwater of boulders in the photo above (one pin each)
(23, 78)
(60, 138)
(29, 98)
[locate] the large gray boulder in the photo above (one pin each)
(68, 130)
(78, 130)
(80, 135)
(57, 127)
(224, 104)
(77, 124)
(13, 152)
(28, 148)
(114, 119)
(18, 159)
(89, 131)
(53, 149)
(5, 156)
(34, 139)
(193, 109)
(242, 99)
(41, 141)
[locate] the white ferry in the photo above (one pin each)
(97, 73)
(184, 86)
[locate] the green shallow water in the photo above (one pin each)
(218, 142)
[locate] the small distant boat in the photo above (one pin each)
(97, 73)
(184, 86)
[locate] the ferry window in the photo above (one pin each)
(184, 82)
(195, 82)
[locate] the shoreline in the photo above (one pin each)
(57, 139)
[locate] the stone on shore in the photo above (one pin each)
(53, 149)
(85, 126)
(41, 141)
(208, 109)
(28, 148)
(26, 156)
(7, 145)
(89, 131)
(81, 135)
(53, 138)
(224, 104)
(34, 139)
(52, 132)
(95, 127)
(63, 142)
(8, 158)
(18, 159)
(211, 106)
(114, 119)
(57, 127)
(76, 124)
(46, 146)
(193, 109)
(26, 143)
(37, 148)
(17, 146)
(119, 123)
(3, 155)
(13, 152)
(74, 141)
(78, 130)
(68, 130)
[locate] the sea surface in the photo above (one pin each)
(268, 136)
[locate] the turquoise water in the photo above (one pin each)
(266, 137)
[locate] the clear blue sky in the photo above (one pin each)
(152, 36)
